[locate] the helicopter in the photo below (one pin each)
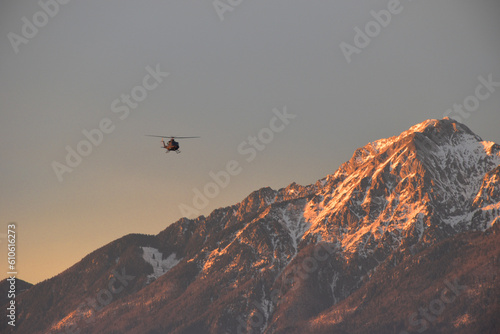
(171, 145)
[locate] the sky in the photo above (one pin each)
(279, 92)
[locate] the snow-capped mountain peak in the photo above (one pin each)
(395, 185)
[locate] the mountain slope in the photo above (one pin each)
(450, 287)
(282, 259)
(5, 287)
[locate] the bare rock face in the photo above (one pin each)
(404, 217)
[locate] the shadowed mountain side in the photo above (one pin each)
(84, 283)
(21, 287)
(451, 287)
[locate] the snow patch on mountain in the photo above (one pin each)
(295, 224)
(333, 285)
(160, 266)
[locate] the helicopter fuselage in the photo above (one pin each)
(171, 145)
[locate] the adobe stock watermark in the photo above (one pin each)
(122, 107)
(372, 29)
(223, 6)
(471, 103)
(423, 319)
(249, 149)
(116, 284)
(30, 28)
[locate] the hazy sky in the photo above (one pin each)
(92, 64)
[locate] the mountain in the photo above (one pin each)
(5, 289)
(402, 238)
